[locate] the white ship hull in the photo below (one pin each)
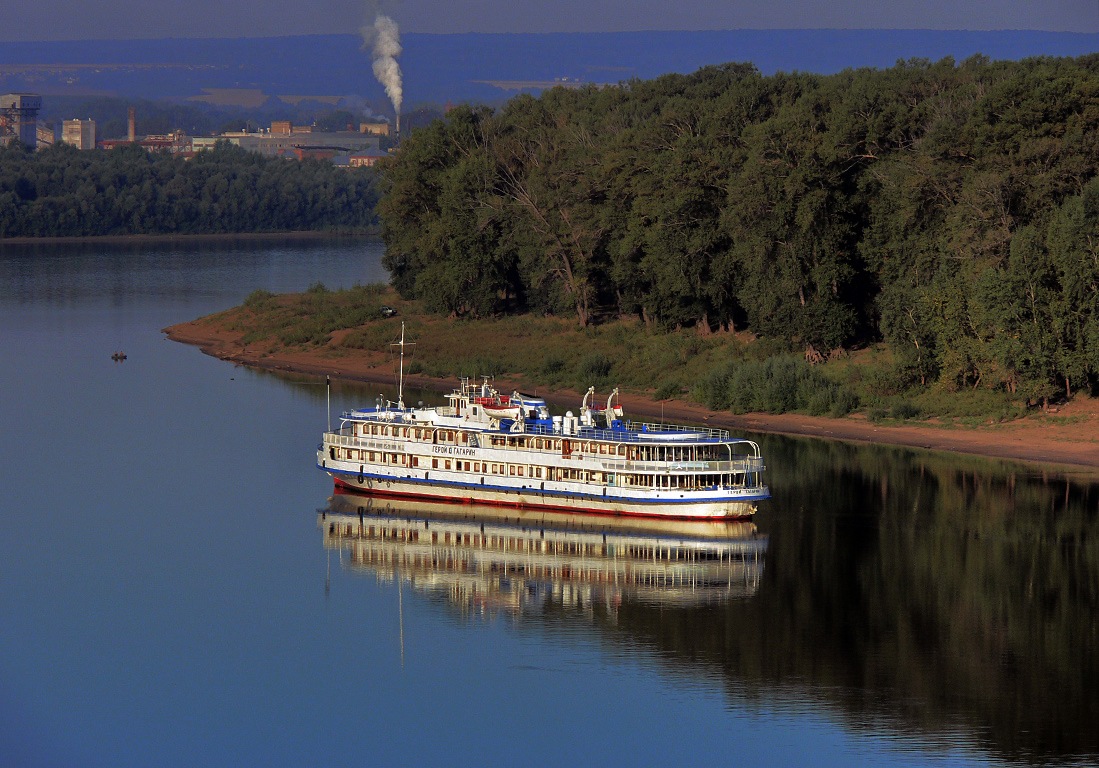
(535, 498)
(464, 454)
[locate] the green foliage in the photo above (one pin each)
(595, 368)
(259, 300)
(553, 366)
(310, 318)
(905, 410)
(60, 191)
(668, 390)
(775, 385)
(948, 209)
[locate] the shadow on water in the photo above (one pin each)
(929, 596)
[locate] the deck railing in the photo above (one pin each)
(635, 432)
(745, 465)
(345, 440)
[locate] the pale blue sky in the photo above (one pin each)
(120, 19)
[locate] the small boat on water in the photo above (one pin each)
(486, 448)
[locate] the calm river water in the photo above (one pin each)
(176, 588)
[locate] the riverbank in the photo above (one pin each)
(1068, 437)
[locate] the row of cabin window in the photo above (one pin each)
(425, 434)
(557, 445)
(538, 473)
(460, 437)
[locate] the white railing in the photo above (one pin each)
(349, 441)
(747, 464)
(652, 431)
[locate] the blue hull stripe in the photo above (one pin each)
(530, 490)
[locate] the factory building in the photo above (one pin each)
(367, 159)
(79, 133)
(284, 139)
(46, 135)
(379, 128)
(19, 118)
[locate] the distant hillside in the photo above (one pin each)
(473, 67)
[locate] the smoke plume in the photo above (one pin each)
(384, 41)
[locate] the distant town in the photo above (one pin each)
(356, 146)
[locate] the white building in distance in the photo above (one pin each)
(79, 133)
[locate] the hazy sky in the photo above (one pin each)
(119, 19)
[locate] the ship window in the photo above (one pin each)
(415, 461)
(434, 463)
(447, 464)
(521, 471)
(511, 469)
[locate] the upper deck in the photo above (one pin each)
(646, 433)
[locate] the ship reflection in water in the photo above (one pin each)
(488, 560)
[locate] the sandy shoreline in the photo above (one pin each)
(1069, 438)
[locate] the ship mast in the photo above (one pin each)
(400, 380)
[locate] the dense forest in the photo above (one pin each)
(948, 210)
(61, 191)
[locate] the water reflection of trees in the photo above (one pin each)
(916, 592)
(932, 592)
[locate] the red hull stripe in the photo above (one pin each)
(390, 494)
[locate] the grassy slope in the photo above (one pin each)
(554, 353)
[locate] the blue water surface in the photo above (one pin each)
(166, 600)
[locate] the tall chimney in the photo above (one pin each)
(131, 121)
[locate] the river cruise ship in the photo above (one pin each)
(487, 448)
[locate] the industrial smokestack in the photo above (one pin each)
(131, 123)
(384, 41)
